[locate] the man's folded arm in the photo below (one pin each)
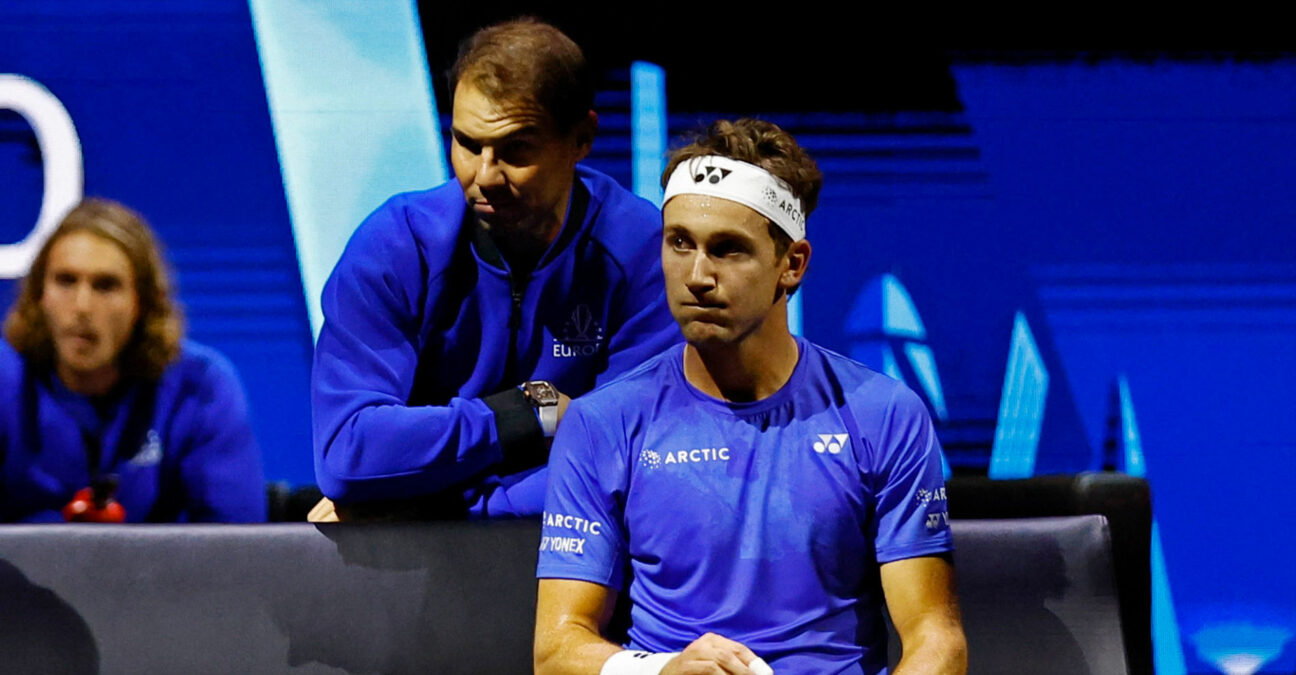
(369, 444)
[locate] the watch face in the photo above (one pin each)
(541, 393)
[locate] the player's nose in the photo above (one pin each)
(490, 173)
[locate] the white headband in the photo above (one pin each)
(747, 184)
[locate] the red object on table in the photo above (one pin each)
(95, 504)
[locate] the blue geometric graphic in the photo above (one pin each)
(648, 129)
(1021, 407)
(1167, 647)
(883, 318)
(354, 118)
(924, 365)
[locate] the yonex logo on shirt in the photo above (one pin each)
(830, 443)
(563, 544)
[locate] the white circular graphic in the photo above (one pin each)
(61, 157)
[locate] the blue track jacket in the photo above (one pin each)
(182, 447)
(426, 336)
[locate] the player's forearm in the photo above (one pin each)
(939, 647)
(571, 649)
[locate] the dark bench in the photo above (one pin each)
(1037, 596)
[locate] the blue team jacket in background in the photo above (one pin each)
(422, 322)
(182, 447)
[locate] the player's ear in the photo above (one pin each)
(583, 133)
(798, 259)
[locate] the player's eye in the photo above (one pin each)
(468, 144)
(728, 249)
(516, 152)
(107, 284)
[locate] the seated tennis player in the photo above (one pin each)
(759, 497)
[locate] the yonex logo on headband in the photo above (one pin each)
(746, 184)
(712, 175)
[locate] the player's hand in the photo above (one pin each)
(711, 654)
(323, 512)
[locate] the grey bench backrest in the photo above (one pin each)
(441, 597)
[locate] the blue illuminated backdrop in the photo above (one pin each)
(1067, 224)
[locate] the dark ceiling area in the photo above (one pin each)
(732, 57)
(719, 60)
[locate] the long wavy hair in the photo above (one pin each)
(155, 342)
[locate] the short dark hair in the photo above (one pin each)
(155, 342)
(763, 144)
(528, 60)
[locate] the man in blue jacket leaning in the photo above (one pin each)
(460, 319)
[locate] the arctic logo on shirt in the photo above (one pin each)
(582, 335)
(150, 452)
(652, 459)
(925, 496)
(574, 523)
(831, 443)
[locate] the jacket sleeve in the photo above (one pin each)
(645, 327)
(222, 477)
(369, 444)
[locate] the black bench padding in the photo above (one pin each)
(1038, 596)
(443, 597)
(1125, 500)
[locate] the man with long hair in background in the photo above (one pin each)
(109, 414)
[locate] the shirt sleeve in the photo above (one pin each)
(912, 514)
(583, 537)
(369, 444)
(221, 473)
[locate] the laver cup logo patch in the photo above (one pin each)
(582, 335)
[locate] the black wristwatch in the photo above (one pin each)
(543, 396)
